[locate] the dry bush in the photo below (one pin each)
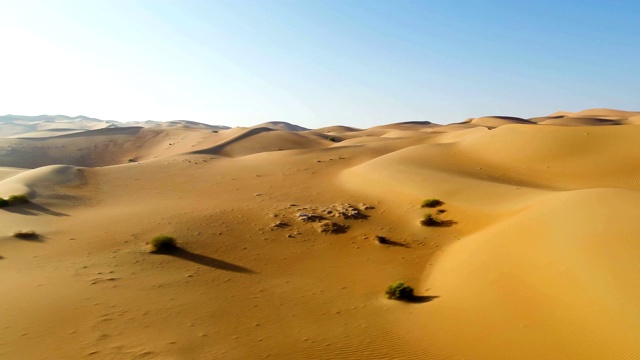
(162, 244)
(25, 234)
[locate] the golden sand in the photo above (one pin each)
(536, 258)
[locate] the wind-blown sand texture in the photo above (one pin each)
(279, 230)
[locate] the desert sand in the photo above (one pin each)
(536, 257)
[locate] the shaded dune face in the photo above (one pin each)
(288, 237)
(263, 139)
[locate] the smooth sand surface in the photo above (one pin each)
(536, 257)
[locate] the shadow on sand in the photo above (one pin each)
(446, 223)
(386, 241)
(207, 261)
(418, 299)
(437, 223)
(29, 236)
(33, 210)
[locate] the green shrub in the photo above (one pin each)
(431, 203)
(399, 291)
(4, 202)
(162, 243)
(18, 199)
(431, 220)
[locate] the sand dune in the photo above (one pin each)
(38, 126)
(190, 125)
(263, 139)
(338, 129)
(605, 113)
(46, 133)
(578, 121)
(538, 280)
(281, 125)
(279, 232)
(112, 146)
(15, 125)
(610, 114)
(45, 179)
(495, 121)
(406, 126)
(632, 120)
(454, 133)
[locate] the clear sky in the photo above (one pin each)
(317, 63)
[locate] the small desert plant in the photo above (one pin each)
(431, 220)
(18, 199)
(382, 240)
(431, 203)
(4, 202)
(25, 234)
(332, 139)
(399, 291)
(162, 243)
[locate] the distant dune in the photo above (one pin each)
(495, 121)
(578, 121)
(337, 129)
(262, 139)
(598, 113)
(281, 125)
(605, 113)
(43, 125)
(409, 125)
(190, 125)
(288, 237)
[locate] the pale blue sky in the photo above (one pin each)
(317, 63)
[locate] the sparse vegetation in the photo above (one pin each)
(25, 234)
(14, 200)
(431, 220)
(163, 244)
(431, 203)
(382, 240)
(399, 291)
(332, 139)
(18, 199)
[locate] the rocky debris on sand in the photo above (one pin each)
(344, 211)
(279, 225)
(309, 217)
(329, 227)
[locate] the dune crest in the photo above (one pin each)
(495, 121)
(46, 179)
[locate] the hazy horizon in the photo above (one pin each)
(315, 64)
